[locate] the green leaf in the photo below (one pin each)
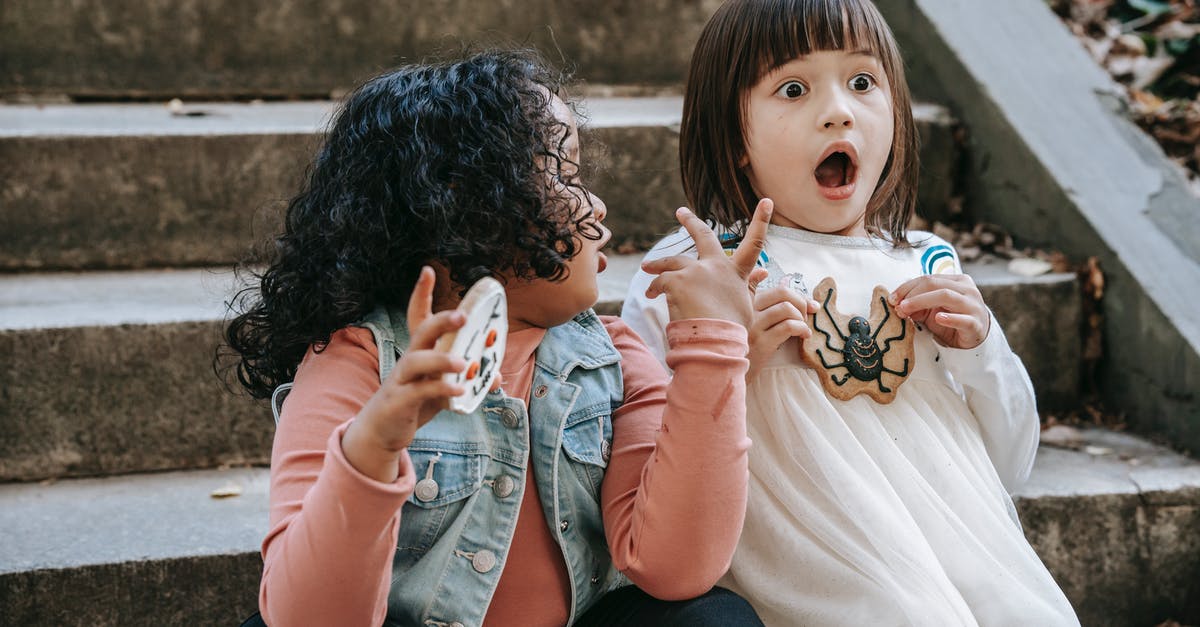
(1179, 47)
(1150, 7)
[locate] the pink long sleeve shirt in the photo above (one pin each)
(672, 500)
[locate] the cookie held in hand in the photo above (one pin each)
(855, 355)
(480, 342)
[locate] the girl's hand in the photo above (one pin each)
(779, 313)
(712, 285)
(949, 305)
(412, 393)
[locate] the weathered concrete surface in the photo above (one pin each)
(1052, 160)
(1117, 530)
(1120, 531)
(1041, 319)
(292, 48)
(131, 186)
(135, 550)
(112, 372)
(111, 399)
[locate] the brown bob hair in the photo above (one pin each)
(742, 42)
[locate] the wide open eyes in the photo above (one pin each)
(861, 83)
(791, 90)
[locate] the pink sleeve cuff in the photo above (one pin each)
(720, 337)
(354, 487)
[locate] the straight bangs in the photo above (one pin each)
(781, 30)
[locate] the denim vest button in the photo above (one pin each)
(484, 561)
(510, 418)
(504, 486)
(426, 490)
(605, 450)
(540, 392)
(564, 525)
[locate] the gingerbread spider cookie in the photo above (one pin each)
(855, 355)
(480, 342)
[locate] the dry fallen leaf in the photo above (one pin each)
(226, 491)
(1093, 279)
(1026, 266)
(1063, 436)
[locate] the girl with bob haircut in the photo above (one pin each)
(566, 484)
(880, 472)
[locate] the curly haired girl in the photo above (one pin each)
(588, 469)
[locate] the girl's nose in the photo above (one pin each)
(836, 113)
(599, 209)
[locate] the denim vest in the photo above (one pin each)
(457, 527)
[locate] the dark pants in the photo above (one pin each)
(631, 607)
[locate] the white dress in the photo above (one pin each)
(868, 514)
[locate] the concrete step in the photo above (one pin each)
(152, 549)
(225, 48)
(134, 186)
(1118, 531)
(1118, 524)
(111, 372)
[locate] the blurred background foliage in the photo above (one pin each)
(1152, 47)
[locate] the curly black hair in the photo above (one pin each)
(458, 162)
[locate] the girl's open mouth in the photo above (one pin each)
(836, 176)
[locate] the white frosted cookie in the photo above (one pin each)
(853, 354)
(480, 342)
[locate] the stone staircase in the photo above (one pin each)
(123, 219)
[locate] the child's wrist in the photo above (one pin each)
(370, 454)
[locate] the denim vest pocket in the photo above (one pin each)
(457, 472)
(587, 441)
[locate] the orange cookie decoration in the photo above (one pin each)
(855, 355)
(480, 342)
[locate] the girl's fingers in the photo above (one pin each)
(942, 298)
(777, 313)
(958, 282)
(658, 286)
(703, 236)
(420, 304)
(665, 264)
(425, 335)
(422, 391)
(747, 252)
(792, 328)
(962, 322)
(781, 332)
(756, 276)
(768, 298)
(426, 363)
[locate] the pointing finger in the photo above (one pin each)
(703, 236)
(420, 304)
(755, 239)
(665, 264)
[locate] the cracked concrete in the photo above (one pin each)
(1115, 523)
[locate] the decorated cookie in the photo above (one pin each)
(855, 355)
(480, 342)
